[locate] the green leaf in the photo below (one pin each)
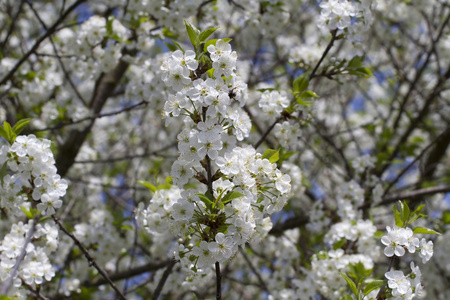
(378, 235)
(230, 196)
(148, 185)
(20, 125)
(167, 33)
(27, 212)
(339, 243)
(206, 34)
(210, 73)
(424, 230)
(309, 94)
(404, 210)
(271, 155)
(350, 283)
(355, 62)
(446, 217)
(303, 102)
(398, 217)
(193, 34)
(373, 285)
(178, 45)
(346, 297)
(3, 172)
(171, 47)
(9, 132)
(213, 42)
(4, 134)
(301, 83)
(205, 200)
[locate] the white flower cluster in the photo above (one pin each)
(326, 266)
(399, 239)
(35, 268)
(353, 16)
(273, 103)
(244, 187)
(405, 287)
(360, 232)
(287, 133)
(349, 197)
(34, 176)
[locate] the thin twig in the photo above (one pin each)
(261, 281)
(391, 262)
(163, 279)
(23, 252)
(89, 258)
(95, 116)
(50, 31)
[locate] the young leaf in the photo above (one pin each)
(193, 34)
(20, 125)
(301, 83)
(171, 47)
(309, 94)
(4, 134)
(271, 155)
(373, 285)
(148, 185)
(28, 213)
(9, 132)
(405, 211)
(346, 297)
(356, 62)
(398, 217)
(178, 45)
(230, 196)
(424, 230)
(206, 34)
(350, 283)
(205, 200)
(3, 172)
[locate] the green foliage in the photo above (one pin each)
(404, 217)
(373, 285)
(355, 280)
(230, 196)
(271, 155)
(10, 133)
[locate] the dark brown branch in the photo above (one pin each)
(96, 116)
(150, 267)
(105, 87)
(416, 193)
(163, 279)
(218, 282)
(290, 223)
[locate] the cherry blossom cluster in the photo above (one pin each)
(32, 182)
(244, 187)
(326, 266)
(405, 287)
(34, 176)
(398, 239)
(273, 103)
(352, 17)
(35, 267)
